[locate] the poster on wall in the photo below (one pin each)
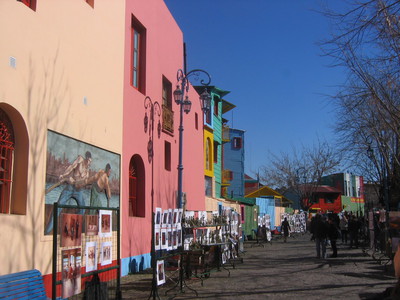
(71, 232)
(79, 174)
(92, 225)
(71, 272)
(91, 256)
(106, 253)
(105, 222)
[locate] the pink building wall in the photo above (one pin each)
(164, 56)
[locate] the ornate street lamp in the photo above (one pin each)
(154, 110)
(185, 105)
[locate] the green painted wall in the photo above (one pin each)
(217, 128)
(352, 206)
(250, 220)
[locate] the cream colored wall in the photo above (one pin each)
(278, 213)
(212, 204)
(68, 78)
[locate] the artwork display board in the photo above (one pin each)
(86, 241)
(167, 234)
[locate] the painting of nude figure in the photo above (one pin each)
(79, 174)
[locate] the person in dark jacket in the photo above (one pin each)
(354, 227)
(320, 231)
(285, 229)
(333, 234)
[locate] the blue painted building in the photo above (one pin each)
(234, 163)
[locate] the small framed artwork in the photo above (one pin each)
(157, 219)
(105, 223)
(106, 253)
(92, 225)
(157, 238)
(71, 272)
(160, 272)
(165, 217)
(164, 239)
(91, 256)
(71, 230)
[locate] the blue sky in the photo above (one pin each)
(265, 53)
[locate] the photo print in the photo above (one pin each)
(165, 218)
(91, 256)
(71, 272)
(157, 238)
(92, 225)
(157, 218)
(106, 253)
(105, 223)
(164, 239)
(160, 272)
(71, 230)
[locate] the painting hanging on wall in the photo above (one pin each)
(79, 174)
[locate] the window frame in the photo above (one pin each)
(237, 142)
(138, 56)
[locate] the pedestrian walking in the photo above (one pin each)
(343, 224)
(333, 234)
(286, 229)
(354, 227)
(320, 233)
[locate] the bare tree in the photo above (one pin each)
(366, 43)
(301, 171)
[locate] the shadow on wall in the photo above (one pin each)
(134, 267)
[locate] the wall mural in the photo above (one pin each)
(79, 174)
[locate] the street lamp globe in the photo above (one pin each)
(178, 95)
(187, 105)
(205, 99)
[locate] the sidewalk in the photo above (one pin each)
(282, 271)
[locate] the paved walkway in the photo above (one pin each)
(282, 271)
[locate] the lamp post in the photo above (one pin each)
(154, 110)
(182, 99)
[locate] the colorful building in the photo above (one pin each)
(83, 81)
(351, 188)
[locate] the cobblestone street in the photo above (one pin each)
(282, 271)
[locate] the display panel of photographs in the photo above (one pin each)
(160, 272)
(71, 272)
(106, 253)
(71, 232)
(105, 222)
(91, 256)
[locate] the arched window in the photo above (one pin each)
(137, 197)
(7, 142)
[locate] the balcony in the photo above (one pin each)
(225, 134)
(167, 119)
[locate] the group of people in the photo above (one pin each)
(330, 228)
